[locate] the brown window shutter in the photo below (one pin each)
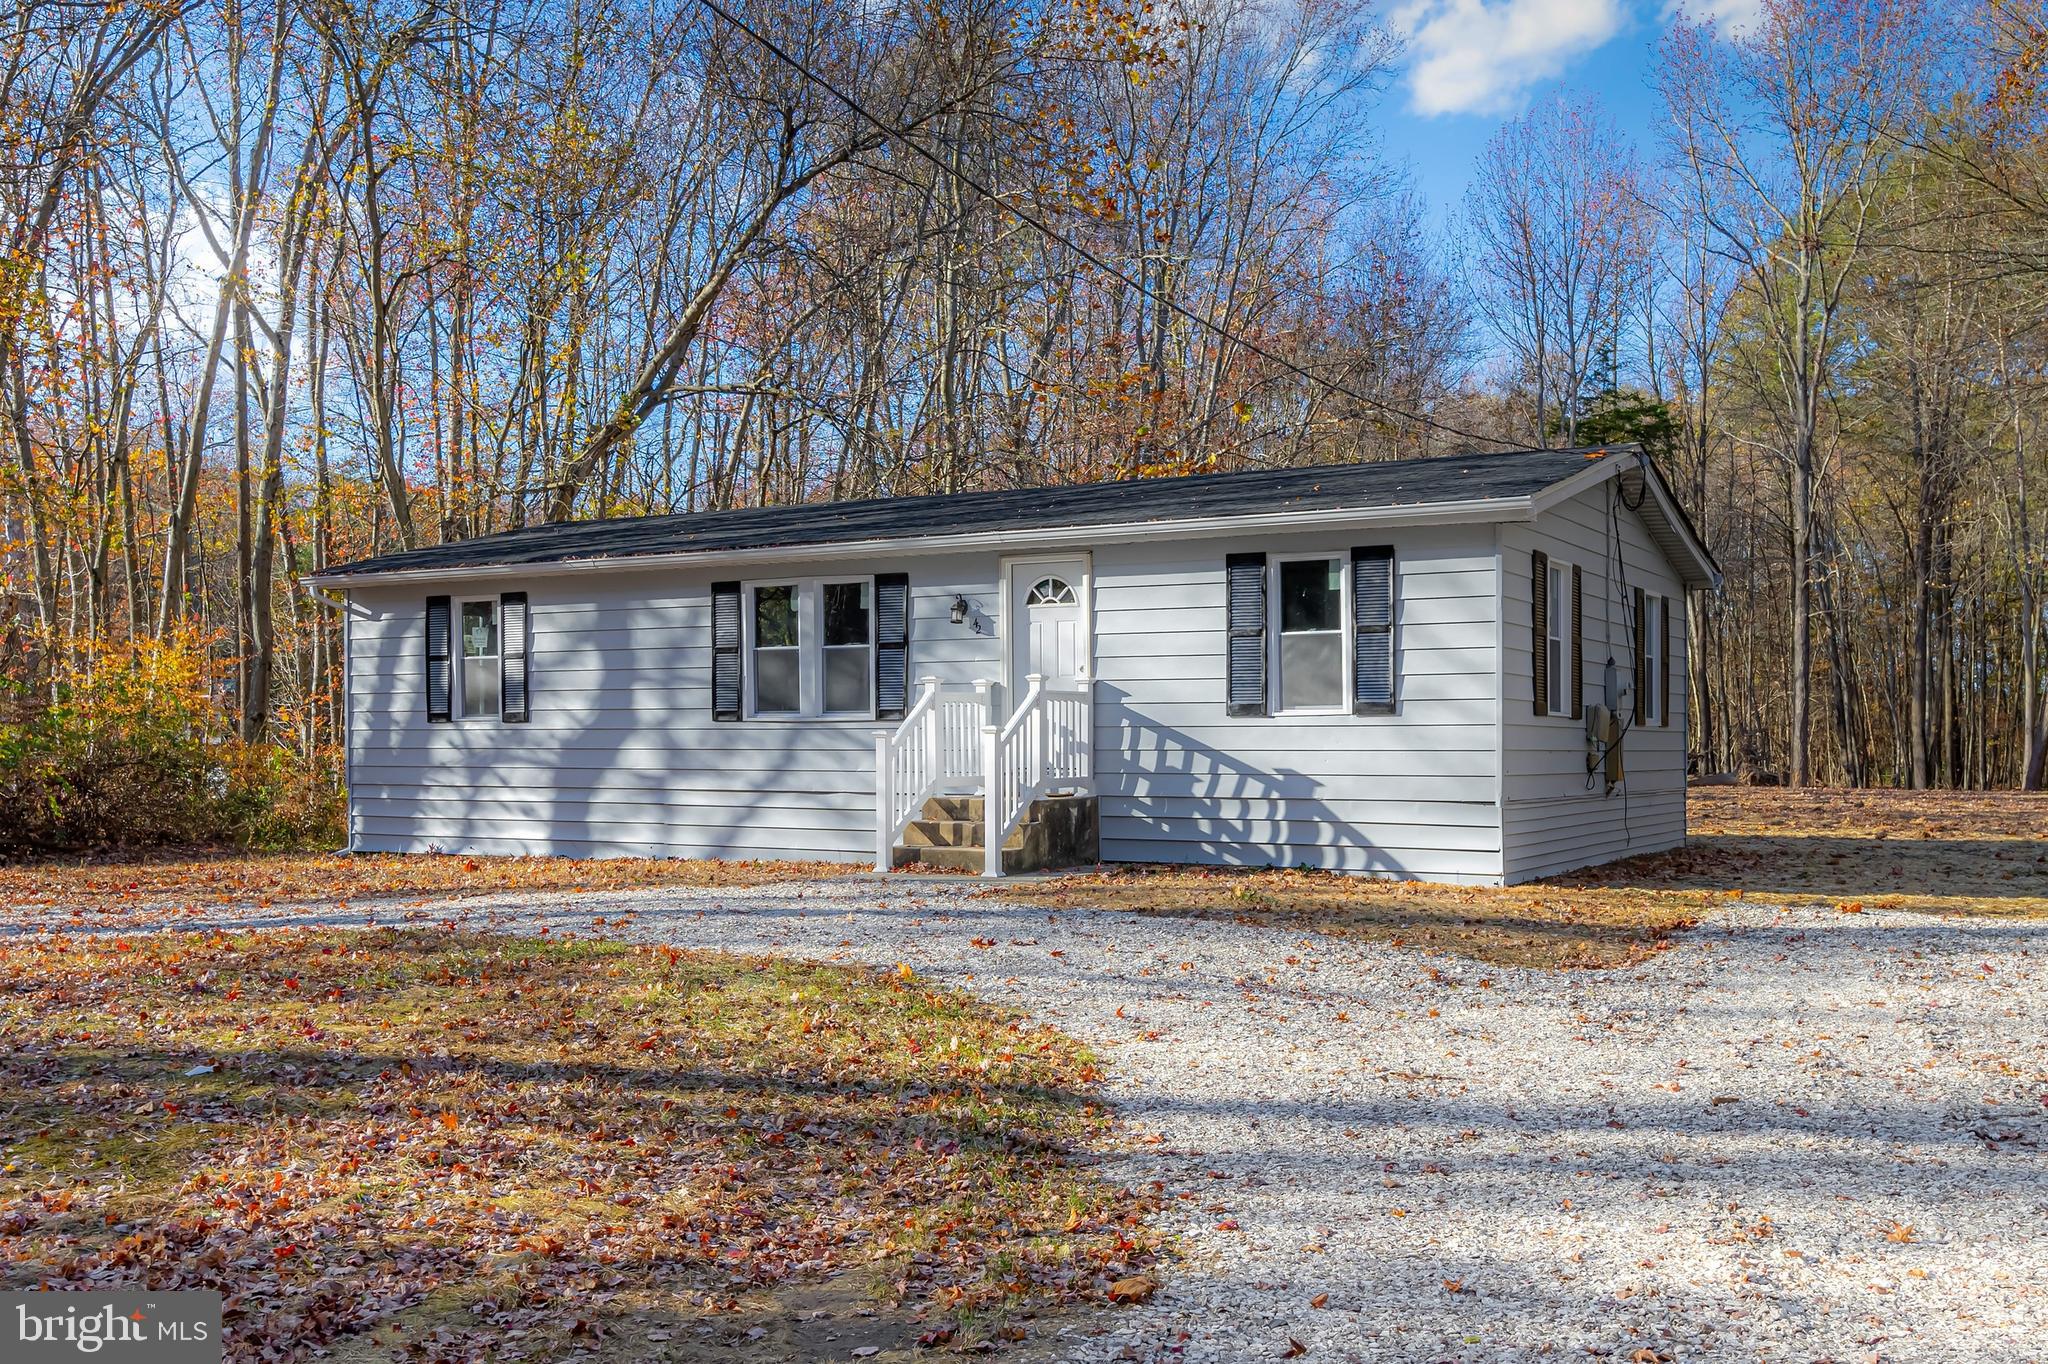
(1578, 644)
(1664, 661)
(1642, 635)
(1539, 607)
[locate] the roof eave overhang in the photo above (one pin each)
(1470, 511)
(1670, 525)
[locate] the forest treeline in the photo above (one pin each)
(290, 282)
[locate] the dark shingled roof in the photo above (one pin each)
(1259, 492)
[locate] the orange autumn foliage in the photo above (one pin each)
(126, 746)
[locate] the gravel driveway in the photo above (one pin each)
(1796, 1136)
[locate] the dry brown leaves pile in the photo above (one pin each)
(1943, 852)
(478, 1145)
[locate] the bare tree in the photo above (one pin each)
(1556, 221)
(1786, 127)
(60, 65)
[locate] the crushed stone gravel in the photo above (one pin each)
(1797, 1135)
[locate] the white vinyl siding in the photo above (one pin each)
(1551, 821)
(1461, 783)
(1407, 795)
(622, 756)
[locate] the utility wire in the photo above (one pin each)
(1053, 234)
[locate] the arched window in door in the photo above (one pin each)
(1050, 592)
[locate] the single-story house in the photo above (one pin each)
(1468, 669)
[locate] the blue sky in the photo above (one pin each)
(1469, 65)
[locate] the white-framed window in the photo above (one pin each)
(810, 648)
(1652, 708)
(1557, 642)
(479, 658)
(1310, 606)
(848, 667)
(776, 648)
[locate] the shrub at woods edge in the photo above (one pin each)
(125, 744)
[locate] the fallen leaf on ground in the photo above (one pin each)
(1133, 1288)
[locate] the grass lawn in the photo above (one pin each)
(446, 1146)
(1942, 852)
(164, 889)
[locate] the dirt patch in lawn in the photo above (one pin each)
(165, 890)
(447, 1146)
(1948, 852)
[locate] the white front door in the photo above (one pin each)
(1049, 632)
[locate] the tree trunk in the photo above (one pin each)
(245, 592)
(1919, 662)
(1800, 736)
(2037, 760)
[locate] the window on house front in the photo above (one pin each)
(849, 648)
(811, 648)
(1309, 635)
(1558, 634)
(480, 666)
(1652, 707)
(778, 650)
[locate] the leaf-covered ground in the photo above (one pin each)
(1535, 925)
(207, 886)
(1978, 853)
(1949, 852)
(447, 1146)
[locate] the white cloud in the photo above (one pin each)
(1471, 57)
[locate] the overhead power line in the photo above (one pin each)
(1053, 234)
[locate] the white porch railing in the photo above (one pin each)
(936, 751)
(949, 744)
(1047, 744)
